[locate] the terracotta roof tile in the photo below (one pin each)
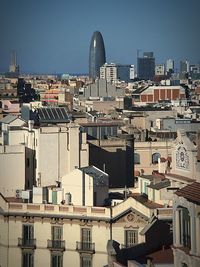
(163, 256)
(190, 192)
(145, 201)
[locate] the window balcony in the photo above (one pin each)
(86, 247)
(127, 245)
(27, 243)
(56, 245)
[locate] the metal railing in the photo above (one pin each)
(127, 245)
(85, 247)
(27, 243)
(56, 244)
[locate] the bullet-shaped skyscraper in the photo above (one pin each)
(97, 55)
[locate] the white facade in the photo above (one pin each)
(184, 157)
(86, 186)
(108, 72)
(116, 72)
(12, 169)
(51, 152)
(160, 70)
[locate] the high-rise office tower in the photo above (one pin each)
(169, 66)
(184, 66)
(97, 55)
(13, 64)
(146, 66)
(13, 67)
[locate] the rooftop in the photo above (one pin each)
(8, 119)
(145, 201)
(159, 185)
(53, 115)
(162, 256)
(179, 177)
(190, 192)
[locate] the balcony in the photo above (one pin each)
(122, 246)
(56, 245)
(27, 243)
(86, 247)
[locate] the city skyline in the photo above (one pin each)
(52, 37)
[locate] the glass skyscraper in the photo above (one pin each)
(146, 66)
(97, 55)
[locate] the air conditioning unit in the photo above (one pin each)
(18, 193)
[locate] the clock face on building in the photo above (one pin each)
(182, 157)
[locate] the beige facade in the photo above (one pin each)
(186, 223)
(71, 234)
(104, 106)
(185, 161)
(146, 155)
(147, 119)
(51, 152)
(12, 169)
(86, 186)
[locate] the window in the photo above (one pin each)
(56, 232)
(86, 261)
(56, 260)
(145, 188)
(185, 228)
(131, 237)
(86, 235)
(136, 158)
(86, 238)
(28, 234)
(155, 158)
(27, 259)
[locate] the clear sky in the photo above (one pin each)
(53, 36)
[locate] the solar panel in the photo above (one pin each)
(53, 115)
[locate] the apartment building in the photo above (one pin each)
(50, 152)
(186, 223)
(67, 235)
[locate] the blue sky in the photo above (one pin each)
(53, 36)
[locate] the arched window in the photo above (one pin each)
(155, 158)
(136, 158)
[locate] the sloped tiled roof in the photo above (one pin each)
(162, 184)
(145, 201)
(190, 192)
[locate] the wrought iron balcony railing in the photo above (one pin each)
(27, 243)
(85, 247)
(56, 244)
(128, 245)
